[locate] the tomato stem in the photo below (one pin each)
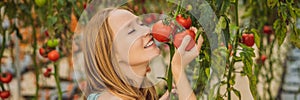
(231, 65)
(57, 81)
(178, 9)
(170, 76)
(1, 54)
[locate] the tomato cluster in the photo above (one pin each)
(5, 78)
(162, 32)
(48, 49)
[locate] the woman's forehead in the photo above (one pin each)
(119, 18)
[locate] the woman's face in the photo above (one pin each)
(132, 40)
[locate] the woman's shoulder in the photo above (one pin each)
(103, 96)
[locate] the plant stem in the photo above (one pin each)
(34, 45)
(235, 51)
(1, 54)
(57, 81)
(178, 9)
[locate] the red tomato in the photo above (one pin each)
(49, 70)
(42, 52)
(185, 22)
(179, 37)
(268, 29)
(248, 39)
(84, 5)
(153, 16)
(148, 20)
(263, 58)
(191, 33)
(6, 77)
(53, 55)
(47, 74)
(4, 94)
(46, 33)
(161, 32)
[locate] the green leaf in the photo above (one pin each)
(295, 39)
(61, 2)
(237, 93)
(280, 30)
(51, 20)
(225, 6)
(232, 1)
(253, 83)
(272, 3)
(256, 37)
(232, 81)
(207, 72)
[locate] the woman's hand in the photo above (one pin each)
(182, 57)
(180, 60)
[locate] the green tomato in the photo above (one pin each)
(52, 43)
(40, 3)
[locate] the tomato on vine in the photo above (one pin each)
(267, 29)
(248, 39)
(42, 52)
(49, 69)
(6, 77)
(47, 74)
(4, 94)
(161, 32)
(53, 55)
(185, 22)
(46, 33)
(52, 43)
(179, 37)
(263, 58)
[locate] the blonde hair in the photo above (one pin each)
(101, 66)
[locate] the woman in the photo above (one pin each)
(117, 54)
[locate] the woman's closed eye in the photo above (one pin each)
(133, 30)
